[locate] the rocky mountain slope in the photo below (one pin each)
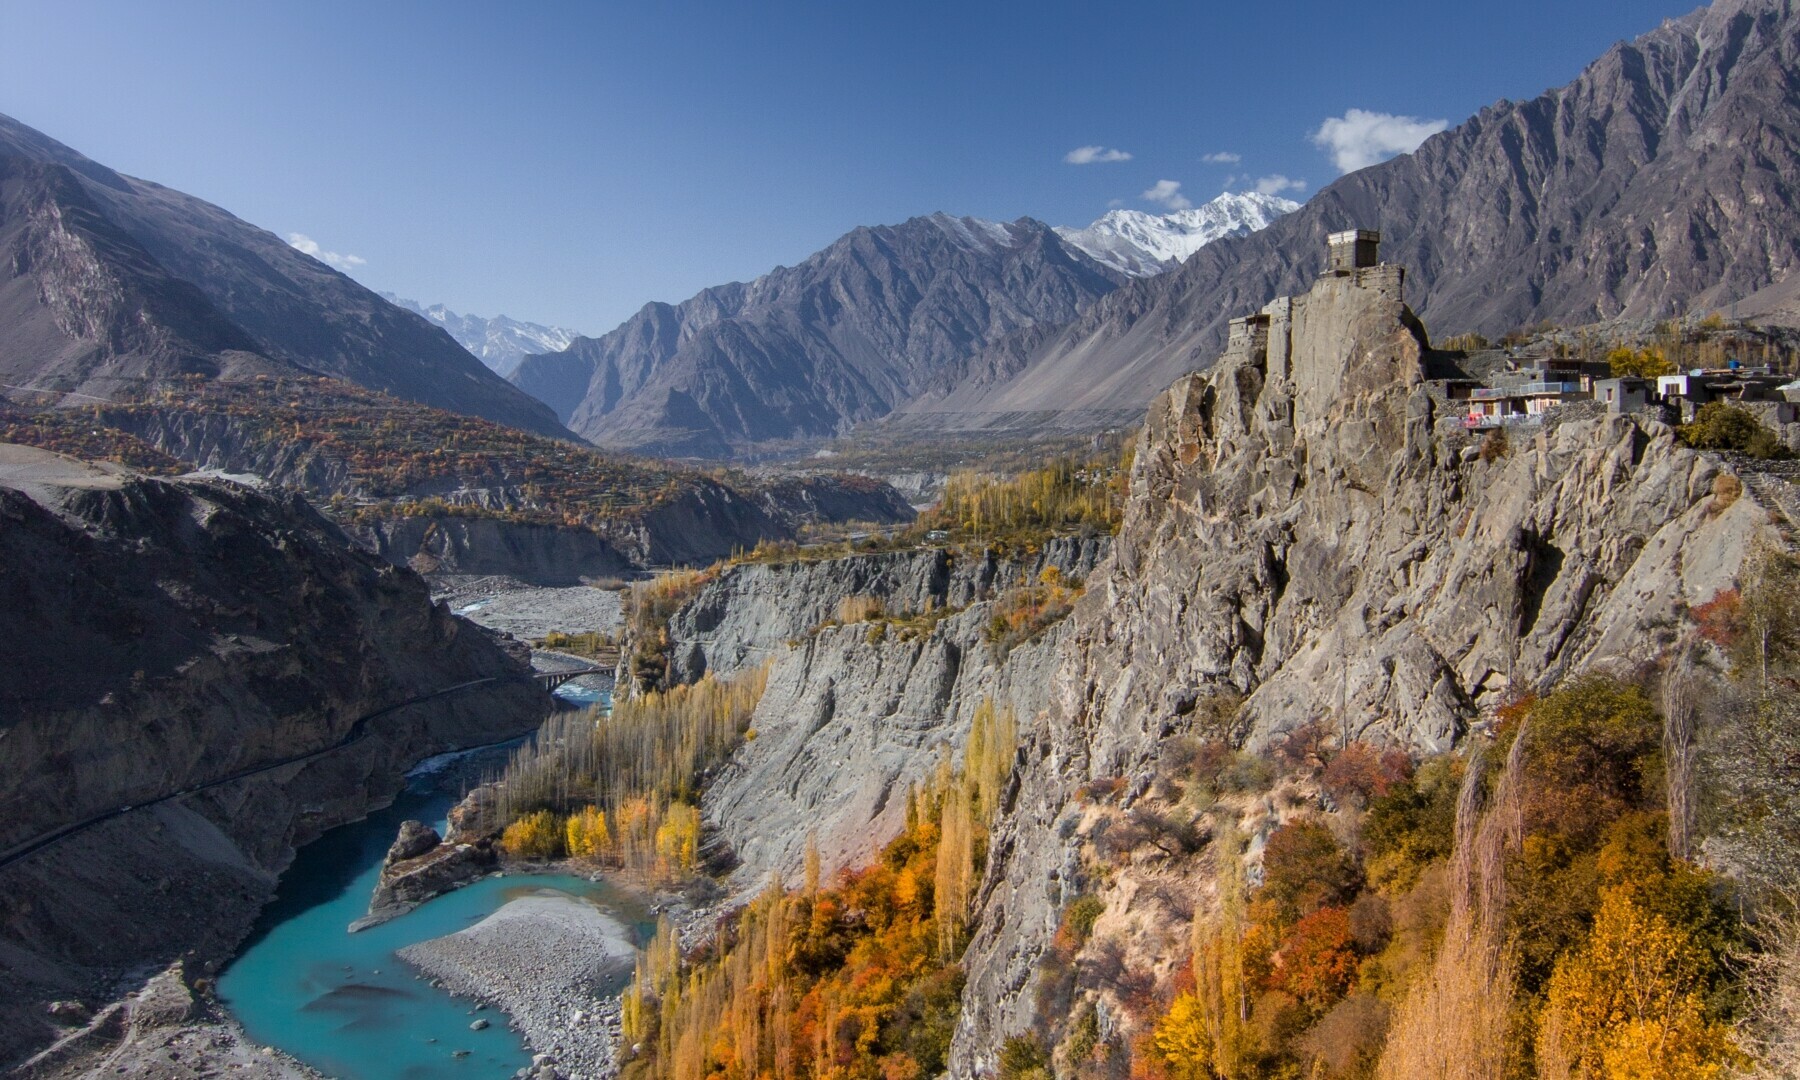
(1144, 245)
(856, 712)
(806, 351)
(500, 342)
(1311, 537)
(1663, 180)
(272, 637)
(109, 284)
(1304, 535)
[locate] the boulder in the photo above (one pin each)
(415, 839)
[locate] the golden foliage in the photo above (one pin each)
(534, 836)
(856, 980)
(636, 770)
(1646, 363)
(1067, 495)
(587, 836)
(1626, 1006)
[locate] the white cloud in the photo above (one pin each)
(1168, 193)
(1360, 138)
(1223, 157)
(306, 245)
(1089, 155)
(1275, 184)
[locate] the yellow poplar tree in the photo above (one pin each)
(1626, 1006)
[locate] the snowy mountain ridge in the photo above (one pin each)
(1144, 245)
(500, 342)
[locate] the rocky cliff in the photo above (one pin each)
(1304, 533)
(1311, 537)
(855, 712)
(162, 634)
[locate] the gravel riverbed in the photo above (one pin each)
(544, 960)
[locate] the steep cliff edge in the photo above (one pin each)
(857, 711)
(1303, 532)
(163, 634)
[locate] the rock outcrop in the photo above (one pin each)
(1303, 532)
(420, 865)
(854, 714)
(160, 635)
(755, 611)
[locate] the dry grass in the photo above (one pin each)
(1453, 1024)
(1726, 489)
(860, 607)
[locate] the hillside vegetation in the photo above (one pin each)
(855, 978)
(364, 456)
(1597, 887)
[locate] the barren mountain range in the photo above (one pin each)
(846, 336)
(107, 281)
(1663, 181)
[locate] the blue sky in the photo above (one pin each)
(566, 162)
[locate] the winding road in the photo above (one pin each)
(358, 730)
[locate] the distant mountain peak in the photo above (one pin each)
(500, 342)
(1143, 245)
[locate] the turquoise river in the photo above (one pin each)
(344, 1003)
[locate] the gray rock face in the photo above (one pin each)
(1303, 531)
(847, 725)
(414, 840)
(1661, 181)
(164, 634)
(853, 716)
(754, 611)
(876, 319)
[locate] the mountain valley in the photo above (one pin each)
(1355, 639)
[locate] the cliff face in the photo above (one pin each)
(1310, 537)
(1304, 532)
(159, 635)
(855, 713)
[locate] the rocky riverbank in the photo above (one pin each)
(167, 1030)
(553, 964)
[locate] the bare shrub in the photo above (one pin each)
(1371, 923)
(859, 607)
(1347, 1040)
(1495, 445)
(1772, 1028)
(1452, 1025)
(1726, 489)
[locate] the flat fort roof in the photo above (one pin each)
(1350, 236)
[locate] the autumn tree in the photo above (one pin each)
(1627, 1004)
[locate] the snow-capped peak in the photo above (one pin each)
(1143, 245)
(499, 342)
